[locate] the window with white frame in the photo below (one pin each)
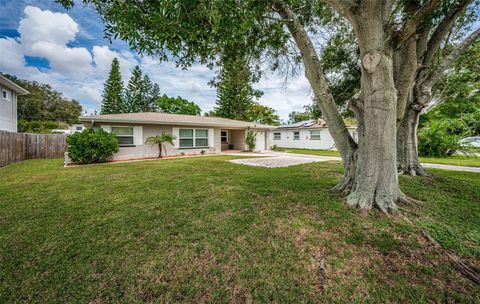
(277, 135)
(7, 95)
(224, 136)
(124, 136)
(193, 138)
(296, 135)
(315, 135)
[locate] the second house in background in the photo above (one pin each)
(308, 134)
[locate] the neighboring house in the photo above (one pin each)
(8, 103)
(76, 128)
(308, 134)
(71, 129)
(194, 134)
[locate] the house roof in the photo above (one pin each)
(173, 119)
(308, 124)
(4, 81)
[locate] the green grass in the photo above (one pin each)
(456, 160)
(206, 230)
(311, 151)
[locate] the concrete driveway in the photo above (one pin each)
(271, 159)
(279, 159)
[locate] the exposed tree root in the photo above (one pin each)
(468, 271)
(320, 259)
(414, 170)
(365, 201)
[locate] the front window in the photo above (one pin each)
(124, 135)
(296, 135)
(277, 136)
(224, 136)
(193, 138)
(315, 135)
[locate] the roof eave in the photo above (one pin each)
(13, 86)
(159, 122)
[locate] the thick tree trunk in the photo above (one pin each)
(407, 144)
(370, 178)
(374, 182)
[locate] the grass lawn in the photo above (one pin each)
(456, 160)
(206, 230)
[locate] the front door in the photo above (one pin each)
(260, 141)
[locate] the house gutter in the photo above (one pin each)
(150, 122)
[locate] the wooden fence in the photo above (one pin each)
(16, 147)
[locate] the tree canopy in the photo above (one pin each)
(44, 103)
(177, 105)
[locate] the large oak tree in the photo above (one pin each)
(193, 30)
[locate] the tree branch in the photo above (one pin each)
(343, 7)
(410, 26)
(447, 62)
(314, 73)
(442, 30)
(424, 87)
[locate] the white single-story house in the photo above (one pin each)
(194, 134)
(308, 134)
(8, 103)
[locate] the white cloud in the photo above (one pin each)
(46, 26)
(80, 73)
(46, 34)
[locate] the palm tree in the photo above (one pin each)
(159, 140)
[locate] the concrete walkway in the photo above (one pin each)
(272, 159)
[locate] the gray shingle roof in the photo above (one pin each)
(173, 119)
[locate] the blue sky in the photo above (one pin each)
(40, 40)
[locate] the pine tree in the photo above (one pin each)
(235, 95)
(112, 97)
(135, 91)
(151, 92)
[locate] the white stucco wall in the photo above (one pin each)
(287, 141)
(142, 150)
(8, 110)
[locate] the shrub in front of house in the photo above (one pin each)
(92, 146)
(250, 140)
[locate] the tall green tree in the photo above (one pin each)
(177, 105)
(112, 97)
(235, 94)
(389, 35)
(151, 93)
(135, 92)
(141, 93)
